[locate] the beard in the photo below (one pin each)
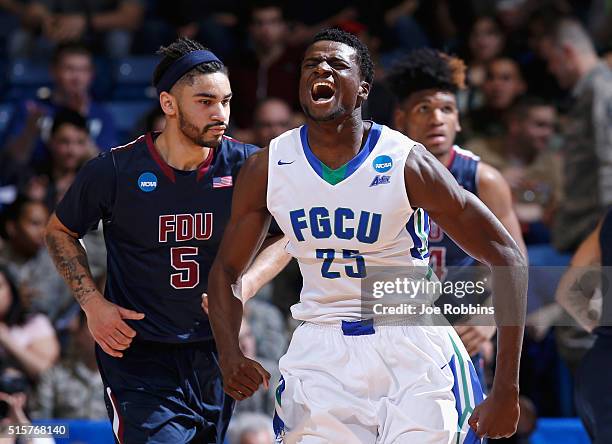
(331, 115)
(197, 136)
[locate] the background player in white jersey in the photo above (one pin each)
(425, 84)
(346, 193)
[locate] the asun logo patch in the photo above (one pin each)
(380, 180)
(147, 182)
(382, 164)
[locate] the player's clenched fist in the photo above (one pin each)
(106, 323)
(497, 416)
(242, 376)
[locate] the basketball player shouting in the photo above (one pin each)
(345, 192)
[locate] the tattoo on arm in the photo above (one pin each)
(71, 262)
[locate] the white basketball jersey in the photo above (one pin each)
(341, 222)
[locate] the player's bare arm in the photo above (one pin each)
(242, 238)
(271, 260)
(495, 193)
(105, 319)
(578, 284)
(475, 229)
(71, 260)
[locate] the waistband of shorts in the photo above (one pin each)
(204, 344)
(364, 327)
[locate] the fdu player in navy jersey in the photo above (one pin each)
(164, 200)
(425, 84)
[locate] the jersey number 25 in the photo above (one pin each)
(328, 255)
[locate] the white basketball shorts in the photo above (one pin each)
(357, 383)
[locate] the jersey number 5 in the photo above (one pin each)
(183, 260)
(355, 271)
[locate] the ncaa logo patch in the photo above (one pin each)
(382, 164)
(147, 182)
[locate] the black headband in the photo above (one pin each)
(183, 65)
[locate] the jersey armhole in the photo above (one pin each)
(115, 191)
(269, 174)
(476, 179)
(409, 204)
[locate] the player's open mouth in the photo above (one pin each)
(322, 92)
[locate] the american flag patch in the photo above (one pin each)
(222, 182)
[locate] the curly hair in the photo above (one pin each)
(178, 49)
(426, 69)
(364, 59)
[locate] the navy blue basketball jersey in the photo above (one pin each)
(162, 229)
(605, 244)
(444, 252)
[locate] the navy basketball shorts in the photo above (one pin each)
(593, 389)
(165, 393)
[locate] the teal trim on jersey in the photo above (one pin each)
(418, 228)
(336, 176)
(467, 408)
(421, 232)
(280, 388)
(333, 176)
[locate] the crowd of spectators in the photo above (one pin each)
(537, 106)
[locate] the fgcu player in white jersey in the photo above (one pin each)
(351, 196)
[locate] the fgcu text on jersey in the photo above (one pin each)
(338, 224)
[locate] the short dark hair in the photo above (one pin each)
(68, 116)
(504, 58)
(178, 49)
(426, 69)
(265, 4)
(69, 48)
(521, 106)
(496, 21)
(364, 59)
(14, 211)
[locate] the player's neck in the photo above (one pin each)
(445, 158)
(335, 143)
(184, 154)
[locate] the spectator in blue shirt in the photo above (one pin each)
(30, 126)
